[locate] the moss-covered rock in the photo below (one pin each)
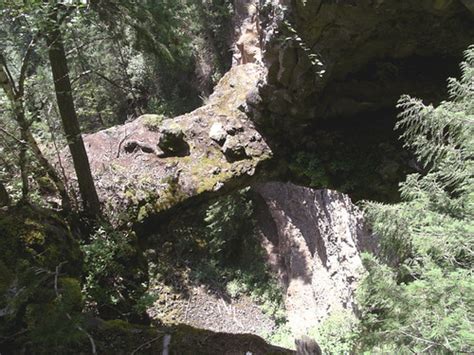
(39, 237)
(188, 340)
(172, 141)
(152, 121)
(124, 338)
(153, 170)
(40, 267)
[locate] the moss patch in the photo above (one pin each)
(36, 249)
(203, 172)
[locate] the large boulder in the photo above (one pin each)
(141, 169)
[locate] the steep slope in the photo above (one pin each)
(313, 239)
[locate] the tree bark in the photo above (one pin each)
(25, 186)
(4, 196)
(62, 85)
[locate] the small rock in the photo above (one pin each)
(218, 186)
(233, 149)
(217, 133)
(253, 98)
(234, 128)
(256, 137)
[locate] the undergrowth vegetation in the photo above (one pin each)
(337, 333)
(366, 164)
(114, 274)
(65, 275)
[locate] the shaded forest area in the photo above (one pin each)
(110, 263)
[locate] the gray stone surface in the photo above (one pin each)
(314, 239)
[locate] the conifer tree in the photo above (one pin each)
(418, 294)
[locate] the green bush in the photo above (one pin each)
(114, 277)
(227, 226)
(336, 334)
(282, 336)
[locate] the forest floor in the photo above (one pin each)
(208, 307)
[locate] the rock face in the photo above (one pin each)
(248, 45)
(142, 168)
(314, 239)
(329, 58)
(335, 64)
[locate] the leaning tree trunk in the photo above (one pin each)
(62, 85)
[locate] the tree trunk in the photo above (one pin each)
(4, 196)
(25, 187)
(62, 85)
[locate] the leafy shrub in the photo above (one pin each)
(336, 334)
(153, 122)
(282, 336)
(235, 288)
(311, 168)
(114, 274)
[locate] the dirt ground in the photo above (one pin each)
(206, 308)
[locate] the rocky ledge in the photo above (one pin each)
(151, 164)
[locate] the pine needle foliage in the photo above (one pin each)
(418, 294)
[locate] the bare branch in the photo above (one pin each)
(81, 75)
(24, 65)
(130, 89)
(12, 136)
(146, 344)
(85, 44)
(6, 80)
(102, 76)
